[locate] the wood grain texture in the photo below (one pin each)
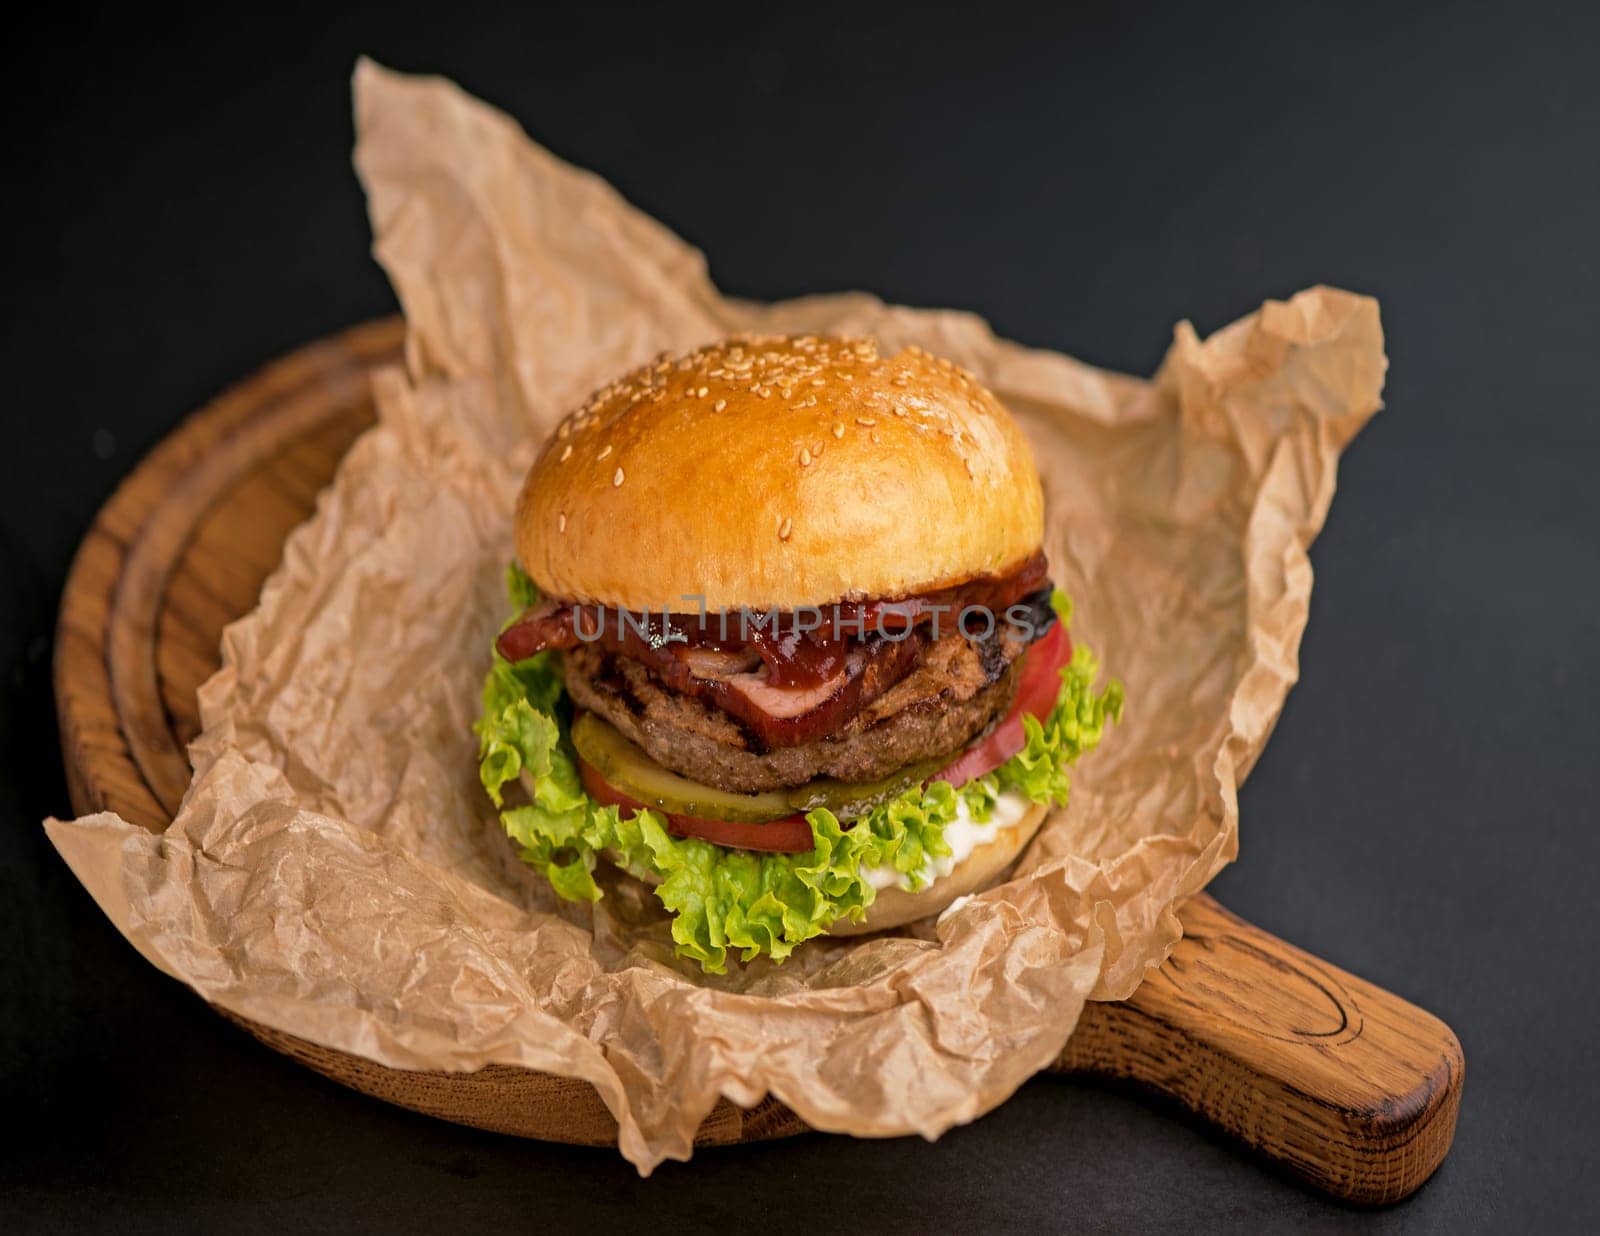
(1344, 1085)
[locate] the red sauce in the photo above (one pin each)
(800, 649)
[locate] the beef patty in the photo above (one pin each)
(959, 688)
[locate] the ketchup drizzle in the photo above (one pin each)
(793, 658)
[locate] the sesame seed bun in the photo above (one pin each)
(895, 907)
(779, 472)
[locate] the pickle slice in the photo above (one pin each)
(628, 769)
(631, 771)
(849, 799)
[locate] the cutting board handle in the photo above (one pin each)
(1345, 1085)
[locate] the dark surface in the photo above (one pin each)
(180, 210)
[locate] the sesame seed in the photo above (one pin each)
(563, 429)
(566, 452)
(719, 405)
(616, 479)
(702, 392)
(866, 421)
(838, 431)
(561, 522)
(875, 438)
(605, 450)
(805, 458)
(784, 529)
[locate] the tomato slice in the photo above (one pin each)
(790, 835)
(1036, 696)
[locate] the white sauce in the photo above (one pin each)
(963, 835)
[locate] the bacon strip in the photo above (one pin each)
(561, 624)
(785, 703)
(994, 592)
(786, 716)
(715, 663)
(787, 687)
(546, 625)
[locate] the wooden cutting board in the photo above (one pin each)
(1342, 1084)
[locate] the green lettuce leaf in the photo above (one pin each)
(726, 901)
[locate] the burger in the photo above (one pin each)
(784, 645)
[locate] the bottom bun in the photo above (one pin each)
(895, 906)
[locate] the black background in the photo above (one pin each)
(179, 208)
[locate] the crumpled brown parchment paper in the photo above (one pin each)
(335, 871)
